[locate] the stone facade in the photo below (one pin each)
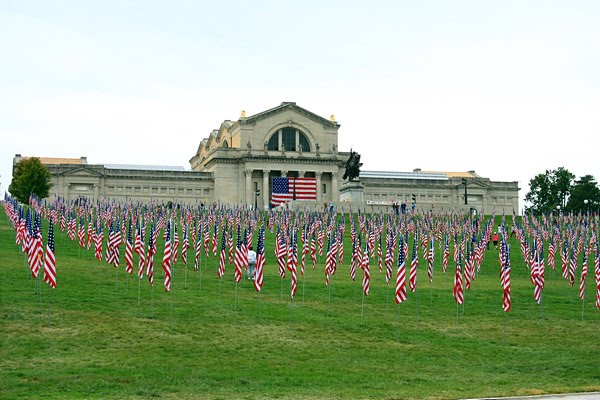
(287, 140)
(239, 160)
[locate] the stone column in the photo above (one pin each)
(335, 192)
(248, 173)
(319, 187)
(265, 189)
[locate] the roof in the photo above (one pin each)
(145, 167)
(57, 160)
(469, 174)
(404, 175)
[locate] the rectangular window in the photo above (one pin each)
(324, 188)
(289, 139)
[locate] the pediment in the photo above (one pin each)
(478, 184)
(82, 171)
(289, 106)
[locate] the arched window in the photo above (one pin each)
(274, 142)
(225, 144)
(288, 139)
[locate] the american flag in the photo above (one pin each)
(238, 261)
(389, 256)
(36, 248)
(198, 248)
(99, 238)
(141, 252)
(185, 246)
(446, 254)
(458, 291)
(584, 272)
(280, 252)
(597, 275)
(260, 259)
(367, 276)
(412, 283)
(505, 276)
(356, 257)
(129, 251)
(401, 276)
(151, 252)
(572, 266)
(286, 189)
(430, 257)
(50, 264)
(293, 263)
(222, 256)
(166, 264)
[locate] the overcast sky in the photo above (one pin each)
(506, 88)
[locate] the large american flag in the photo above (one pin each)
(286, 189)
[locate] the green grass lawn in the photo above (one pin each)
(90, 338)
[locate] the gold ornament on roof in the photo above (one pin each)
(332, 118)
(243, 114)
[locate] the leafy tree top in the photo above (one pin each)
(30, 176)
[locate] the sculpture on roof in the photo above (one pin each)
(352, 166)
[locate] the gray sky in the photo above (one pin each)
(505, 88)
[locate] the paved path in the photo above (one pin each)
(566, 396)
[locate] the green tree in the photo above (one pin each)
(585, 195)
(549, 190)
(30, 176)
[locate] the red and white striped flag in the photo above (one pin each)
(50, 264)
(401, 276)
(166, 264)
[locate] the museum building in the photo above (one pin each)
(237, 162)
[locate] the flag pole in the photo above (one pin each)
(260, 305)
(152, 302)
(49, 305)
(431, 290)
(362, 308)
(303, 285)
(387, 297)
(281, 286)
(290, 321)
(171, 308)
(398, 330)
(417, 301)
(235, 297)
(200, 273)
(220, 284)
(329, 299)
(139, 290)
(457, 312)
(116, 279)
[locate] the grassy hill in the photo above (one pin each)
(105, 335)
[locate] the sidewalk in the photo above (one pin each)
(566, 396)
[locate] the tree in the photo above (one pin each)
(585, 195)
(30, 176)
(549, 190)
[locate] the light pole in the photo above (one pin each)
(464, 181)
(256, 194)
